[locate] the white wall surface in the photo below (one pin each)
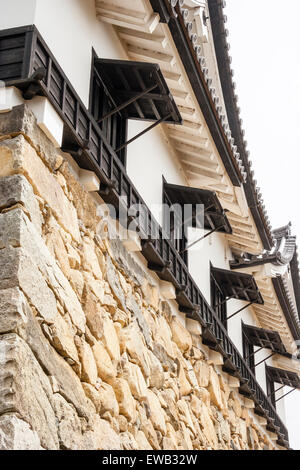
(150, 158)
(214, 249)
(71, 29)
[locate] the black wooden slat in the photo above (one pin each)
(11, 56)
(264, 338)
(14, 42)
(10, 72)
(240, 285)
(214, 217)
(126, 79)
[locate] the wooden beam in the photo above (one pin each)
(194, 150)
(179, 94)
(248, 241)
(120, 11)
(141, 38)
(172, 76)
(203, 172)
(199, 162)
(147, 54)
(181, 136)
(186, 111)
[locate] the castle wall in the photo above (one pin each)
(91, 355)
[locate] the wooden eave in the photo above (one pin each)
(192, 143)
(264, 338)
(271, 315)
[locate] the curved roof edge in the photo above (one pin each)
(284, 253)
(281, 254)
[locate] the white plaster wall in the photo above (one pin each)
(70, 29)
(150, 158)
(214, 249)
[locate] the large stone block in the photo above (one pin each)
(15, 190)
(41, 278)
(132, 373)
(147, 427)
(94, 313)
(235, 403)
(84, 204)
(171, 434)
(208, 427)
(22, 120)
(93, 394)
(89, 258)
(196, 405)
(18, 156)
(77, 282)
(61, 337)
(114, 282)
(184, 385)
(108, 399)
(171, 407)
(201, 369)
(106, 369)
(125, 399)
(68, 424)
(101, 436)
(156, 414)
(186, 440)
(56, 246)
(89, 371)
(16, 434)
(181, 336)
(18, 270)
(128, 441)
(166, 361)
(67, 382)
(110, 339)
(157, 377)
(214, 389)
(185, 415)
(133, 341)
(96, 286)
(163, 334)
(142, 441)
(135, 306)
(25, 389)
(13, 310)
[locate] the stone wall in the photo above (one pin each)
(90, 356)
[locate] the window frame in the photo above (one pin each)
(115, 128)
(215, 300)
(180, 243)
(248, 350)
(270, 388)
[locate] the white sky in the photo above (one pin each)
(265, 48)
